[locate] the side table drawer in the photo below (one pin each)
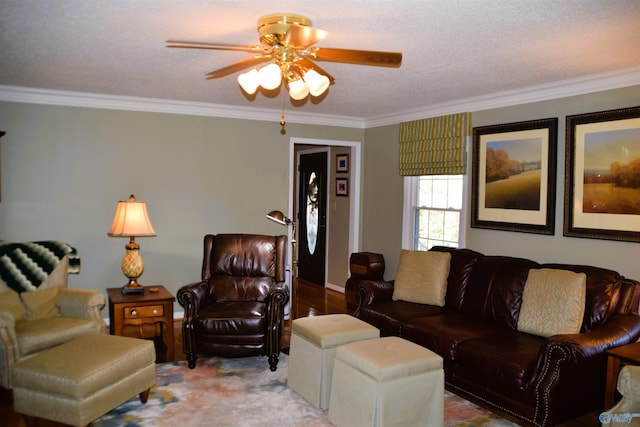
(144, 311)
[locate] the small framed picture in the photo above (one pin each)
(342, 187)
(342, 163)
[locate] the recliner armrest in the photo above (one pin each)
(193, 297)
(279, 294)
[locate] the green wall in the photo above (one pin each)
(63, 170)
(383, 193)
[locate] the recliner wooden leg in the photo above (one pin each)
(191, 360)
(273, 362)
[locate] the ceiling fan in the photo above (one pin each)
(288, 40)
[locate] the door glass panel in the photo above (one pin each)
(312, 212)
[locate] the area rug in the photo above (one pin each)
(244, 392)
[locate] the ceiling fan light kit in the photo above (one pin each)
(287, 40)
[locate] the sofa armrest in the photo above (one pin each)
(586, 350)
(370, 291)
(9, 350)
(618, 330)
(83, 303)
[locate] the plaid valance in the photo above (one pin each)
(24, 266)
(435, 146)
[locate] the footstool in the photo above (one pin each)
(387, 382)
(313, 348)
(77, 382)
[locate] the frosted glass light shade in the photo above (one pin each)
(317, 83)
(249, 81)
(298, 89)
(270, 76)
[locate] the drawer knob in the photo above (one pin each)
(134, 313)
(155, 311)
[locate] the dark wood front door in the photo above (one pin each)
(312, 217)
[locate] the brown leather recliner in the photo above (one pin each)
(237, 310)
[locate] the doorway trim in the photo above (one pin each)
(354, 202)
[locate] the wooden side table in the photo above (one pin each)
(617, 358)
(144, 315)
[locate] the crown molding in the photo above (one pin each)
(561, 89)
(168, 106)
(564, 88)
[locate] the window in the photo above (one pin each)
(433, 213)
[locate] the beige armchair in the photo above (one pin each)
(38, 318)
(627, 411)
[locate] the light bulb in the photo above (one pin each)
(270, 76)
(298, 89)
(249, 81)
(317, 83)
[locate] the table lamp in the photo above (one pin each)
(131, 220)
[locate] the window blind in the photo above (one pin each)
(435, 146)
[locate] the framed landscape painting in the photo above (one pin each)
(514, 176)
(602, 178)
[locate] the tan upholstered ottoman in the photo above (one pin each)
(387, 382)
(313, 348)
(76, 382)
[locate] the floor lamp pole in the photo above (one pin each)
(294, 271)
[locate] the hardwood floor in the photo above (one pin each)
(312, 300)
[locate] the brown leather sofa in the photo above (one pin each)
(541, 381)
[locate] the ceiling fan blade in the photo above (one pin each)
(302, 36)
(214, 46)
(359, 57)
(308, 64)
(238, 66)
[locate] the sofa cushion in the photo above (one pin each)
(443, 333)
(506, 360)
(10, 302)
(391, 316)
(41, 303)
(552, 302)
(494, 292)
(422, 277)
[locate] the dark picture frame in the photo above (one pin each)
(514, 176)
(602, 193)
(342, 163)
(342, 187)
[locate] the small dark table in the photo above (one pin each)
(617, 358)
(144, 315)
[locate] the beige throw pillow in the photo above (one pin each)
(58, 277)
(41, 304)
(10, 302)
(552, 302)
(422, 277)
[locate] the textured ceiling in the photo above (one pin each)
(453, 49)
